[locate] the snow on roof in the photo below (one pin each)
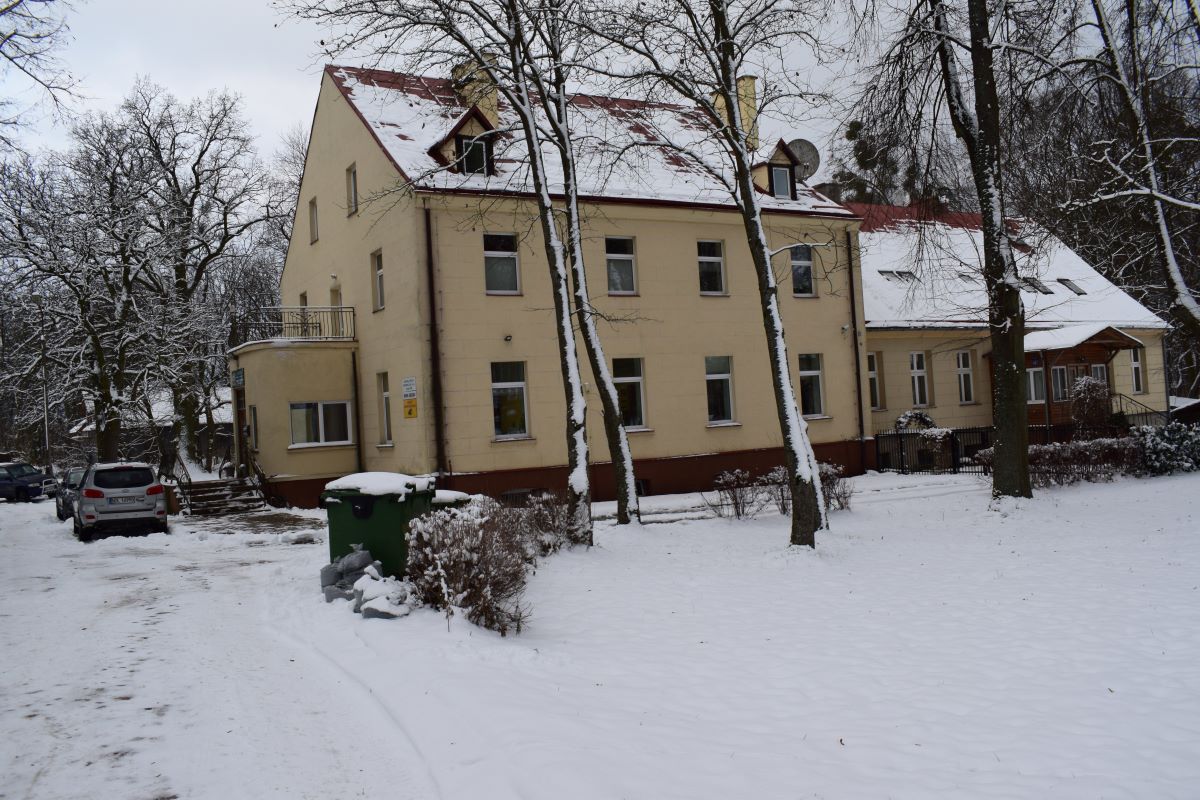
(379, 483)
(1070, 336)
(1177, 402)
(923, 269)
(622, 144)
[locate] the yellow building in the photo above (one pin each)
(417, 331)
(928, 345)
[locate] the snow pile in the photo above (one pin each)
(381, 483)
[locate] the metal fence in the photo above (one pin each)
(953, 450)
(310, 323)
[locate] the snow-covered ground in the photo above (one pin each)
(927, 648)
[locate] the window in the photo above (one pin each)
(873, 384)
(254, 428)
(352, 190)
(304, 299)
(1100, 372)
(899, 275)
(621, 278)
(802, 277)
(500, 274)
(1072, 285)
(1035, 385)
(320, 423)
(472, 155)
(1058, 384)
(385, 408)
(1139, 378)
(1035, 285)
(719, 380)
(377, 296)
(781, 182)
(627, 376)
(919, 374)
(711, 257)
(508, 399)
(966, 376)
(312, 220)
(812, 401)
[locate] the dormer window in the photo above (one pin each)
(783, 184)
(473, 155)
(1034, 285)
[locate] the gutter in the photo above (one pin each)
(862, 431)
(435, 352)
(358, 442)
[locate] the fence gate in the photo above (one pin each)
(936, 450)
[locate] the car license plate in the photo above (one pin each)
(121, 500)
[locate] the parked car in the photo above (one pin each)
(20, 481)
(50, 486)
(68, 490)
(119, 497)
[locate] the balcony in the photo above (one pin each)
(295, 323)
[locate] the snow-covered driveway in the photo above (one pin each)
(928, 648)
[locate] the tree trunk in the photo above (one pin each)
(108, 436)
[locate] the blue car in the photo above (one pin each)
(20, 482)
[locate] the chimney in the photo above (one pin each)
(476, 88)
(747, 108)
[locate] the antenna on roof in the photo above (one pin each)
(806, 153)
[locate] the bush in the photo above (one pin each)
(1091, 402)
(1175, 447)
(1063, 463)
(913, 418)
(474, 559)
(739, 495)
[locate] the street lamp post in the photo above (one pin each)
(37, 298)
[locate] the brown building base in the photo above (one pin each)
(654, 475)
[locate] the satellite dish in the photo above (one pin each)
(806, 152)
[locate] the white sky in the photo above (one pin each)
(191, 47)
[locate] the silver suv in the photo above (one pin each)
(119, 497)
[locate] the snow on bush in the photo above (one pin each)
(476, 559)
(913, 418)
(738, 495)
(1175, 447)
(1091, 404)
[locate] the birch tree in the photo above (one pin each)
(696, 51)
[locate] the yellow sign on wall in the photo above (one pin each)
(410, 409)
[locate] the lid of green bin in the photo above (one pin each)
(381, 483)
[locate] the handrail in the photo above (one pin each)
(183, 480)
(1138, 412)
(303, 323)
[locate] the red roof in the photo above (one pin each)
(876, 217)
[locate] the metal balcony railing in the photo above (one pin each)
(297, 323)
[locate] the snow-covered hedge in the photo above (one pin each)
(1148, 450)
(913, 418)
(739, 495)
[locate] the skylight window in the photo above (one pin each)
(1072, 285)
(1035, 285)
(899, 275)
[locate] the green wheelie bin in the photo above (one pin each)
(372, 510)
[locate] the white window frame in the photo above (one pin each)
(812, 280)
(1100, 372)
(523, 385)
(352, 190)
(727, 377)
(464, 145)
(1060, 392)
(1137, 370)
(1035, 385)
(513, 254)
(640, 380)
(630, 257)
(810, 374)
(964, 367)
(718, 260)
(919, 376)
(874, 395)
(321, 423)
(385, 408)
(378, 296)
(312, 221)
(787, 193)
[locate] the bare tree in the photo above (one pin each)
(978, 65)
(697, 51)
(497, 38)
(30, 34)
